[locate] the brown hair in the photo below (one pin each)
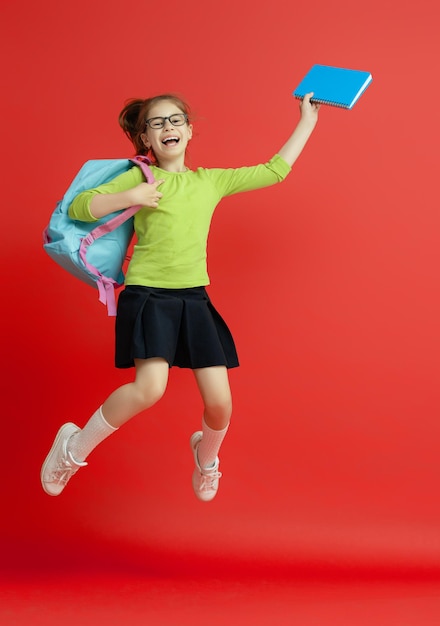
(135, 112)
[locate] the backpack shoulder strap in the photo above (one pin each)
(106, 285)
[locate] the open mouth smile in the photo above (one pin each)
(172, 140)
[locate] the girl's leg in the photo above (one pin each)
(147, 388)
(214, 387)
(72, 445)
(213, 383)
(124, 403)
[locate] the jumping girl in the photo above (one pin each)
(165, 316)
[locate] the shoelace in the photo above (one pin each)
(207, 482)
(63, 472)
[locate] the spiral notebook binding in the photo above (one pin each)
(320, 101)
(329, 102)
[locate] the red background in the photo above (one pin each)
(329, 283)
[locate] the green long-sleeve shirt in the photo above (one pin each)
(171, 239)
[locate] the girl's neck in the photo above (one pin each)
(172, 165)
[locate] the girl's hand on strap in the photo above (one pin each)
(146, 194)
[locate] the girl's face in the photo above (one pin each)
(167, 132)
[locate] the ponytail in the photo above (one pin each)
(132, 122)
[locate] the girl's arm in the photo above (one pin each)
(295, 144)
(145, 194)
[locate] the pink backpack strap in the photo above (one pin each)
(106, 285)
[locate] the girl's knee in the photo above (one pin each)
(155, 393)
(147, 397)
(220, 410)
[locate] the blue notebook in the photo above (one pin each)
(335, 86)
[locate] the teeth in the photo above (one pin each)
(170, 139)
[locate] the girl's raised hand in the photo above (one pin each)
(309, 110)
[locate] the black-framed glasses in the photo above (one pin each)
(177, 119)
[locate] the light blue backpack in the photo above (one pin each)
(94, 252)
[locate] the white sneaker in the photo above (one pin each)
(204, 480)
(60, 466)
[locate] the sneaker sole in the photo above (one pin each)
(195, 438)
(60, 435)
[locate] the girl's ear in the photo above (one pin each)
(190, 131)
(145, 141)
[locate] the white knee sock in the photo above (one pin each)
(83, 442)
(210, 445)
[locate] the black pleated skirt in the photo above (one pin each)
(179, 325)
